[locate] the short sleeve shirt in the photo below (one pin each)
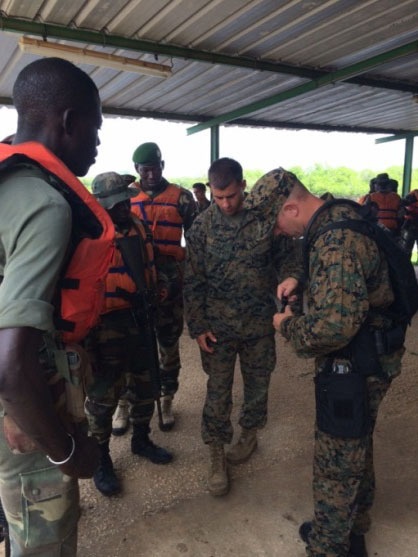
(35, 228)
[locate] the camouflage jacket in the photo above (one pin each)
(231, 272)
(348, 283)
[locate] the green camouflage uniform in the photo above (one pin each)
(230, 280)
(348, 283)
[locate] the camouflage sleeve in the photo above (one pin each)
(187, 208)
(287, 258)
(337, 299)
(195, 282)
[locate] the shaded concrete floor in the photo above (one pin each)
(165, 511)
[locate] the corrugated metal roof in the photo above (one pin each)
(228, 54)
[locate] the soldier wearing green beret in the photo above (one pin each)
(169, 211)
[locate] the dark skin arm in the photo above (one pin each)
(25, 397)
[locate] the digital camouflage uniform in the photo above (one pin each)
(169, 318)
(230, 280)
(348, 283)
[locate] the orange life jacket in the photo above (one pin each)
(80, 290)
(389, 204)
(119, 274)
(162, 216)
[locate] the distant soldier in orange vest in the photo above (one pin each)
(387, 202)
(169, 211)
(409, 230)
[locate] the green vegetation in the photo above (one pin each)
(341, 181)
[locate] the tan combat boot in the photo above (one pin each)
(218, 481)
(167, 413)
(244, 447)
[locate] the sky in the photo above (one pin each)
(255, 149)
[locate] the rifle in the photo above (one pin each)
(143, 303)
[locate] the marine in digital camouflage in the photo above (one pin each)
(232, 270)
(348, 285)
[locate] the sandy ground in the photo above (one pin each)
(166, 510)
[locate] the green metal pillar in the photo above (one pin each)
(407, 166)
(214, 143)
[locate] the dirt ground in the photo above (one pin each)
(166, 510)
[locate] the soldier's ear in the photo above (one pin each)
(291, 208)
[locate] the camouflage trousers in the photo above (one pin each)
(257, 360)
(169, 329)
(120, 365)
(40, 502)
(344, 483)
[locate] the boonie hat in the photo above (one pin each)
(271, 190)
(109, 188)
(147, 153)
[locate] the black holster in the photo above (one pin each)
(342, 404)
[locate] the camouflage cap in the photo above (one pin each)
(271, 190)
(147, 153)
(109, 188)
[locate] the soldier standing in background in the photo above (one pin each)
(168, 210)
(118, 346)
(230, 277)
(199, 190)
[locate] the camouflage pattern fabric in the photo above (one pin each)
(232, 265)
(41, 504)
(232, 269)
(258, 360)
(169, 324)
(270, 191)
(119, 356)
(348, 283)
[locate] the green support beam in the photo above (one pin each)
(407, 167)
(214, 143)
(339, 75)
(50, 31)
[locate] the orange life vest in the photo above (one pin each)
(162, 216)
(389, 205)
(119, 274)
(80, 290)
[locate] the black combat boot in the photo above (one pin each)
(357, 541)
(104, 477)
(142, 445)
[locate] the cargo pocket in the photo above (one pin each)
(342, 404)
(50, 507)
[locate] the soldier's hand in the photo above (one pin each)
(85, 459)
(278, 318)
(205, 341)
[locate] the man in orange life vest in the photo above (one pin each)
(387, 202)
(51, 229)
(118, 345)
(169, 210)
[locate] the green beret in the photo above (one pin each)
(147, 153)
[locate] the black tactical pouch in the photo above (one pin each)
(342, 407)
